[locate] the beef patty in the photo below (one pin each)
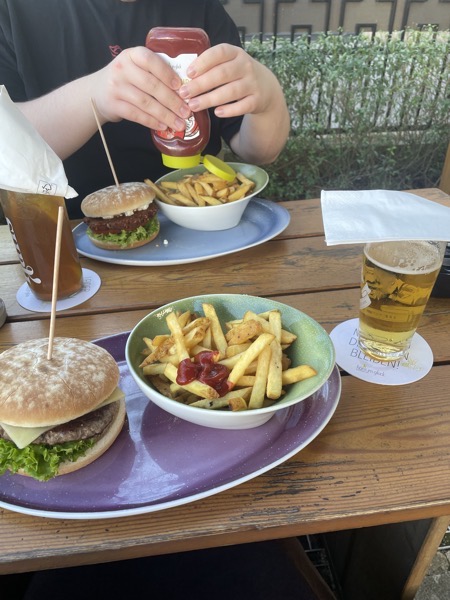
(88, 426)
(121, 222)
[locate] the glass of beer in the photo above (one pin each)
(32, 220)
(397, 279)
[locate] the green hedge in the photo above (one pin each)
(367, 112)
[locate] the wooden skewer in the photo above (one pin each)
(59, 225)
(104, 142)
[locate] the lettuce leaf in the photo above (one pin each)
(126, 238)
(38, 460)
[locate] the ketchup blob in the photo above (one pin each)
(204, 368)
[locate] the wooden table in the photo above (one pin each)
(381, 467)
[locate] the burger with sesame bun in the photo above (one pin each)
(121, 217)
(61, 413)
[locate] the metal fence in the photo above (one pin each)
(368, 78)
(363, 84)
(291, 18)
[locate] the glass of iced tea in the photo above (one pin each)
(397, 279)
(32, 220)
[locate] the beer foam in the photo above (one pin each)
(406, 257)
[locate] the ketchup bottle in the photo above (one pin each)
(179, 46)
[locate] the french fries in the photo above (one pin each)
(249, 353)
(202, 189)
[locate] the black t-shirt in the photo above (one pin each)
(47, 43)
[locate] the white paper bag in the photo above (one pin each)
(27, 163)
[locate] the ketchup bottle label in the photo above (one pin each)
(190, 133)
(180, 65)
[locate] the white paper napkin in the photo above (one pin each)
(352, 217)
(27, 163)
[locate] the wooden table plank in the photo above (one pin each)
(384, 458)
(428, 551)
(306, 221)
(328, 308)
(282, 267)
(362, 470)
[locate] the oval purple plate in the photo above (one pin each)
(159, 461)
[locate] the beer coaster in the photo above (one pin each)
(91, 285)
(415, 365)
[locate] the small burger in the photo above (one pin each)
(57, 415)
(120, 217)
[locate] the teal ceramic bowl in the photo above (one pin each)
(212, 218)
(313, 346)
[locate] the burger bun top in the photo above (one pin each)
(38, 392)
(115, 200)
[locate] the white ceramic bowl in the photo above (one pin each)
(212, 218)
(313, 347)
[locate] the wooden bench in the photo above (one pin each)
(444, 183)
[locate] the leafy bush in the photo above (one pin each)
(366, 112)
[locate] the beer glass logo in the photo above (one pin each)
(29, 271)
(364, 301)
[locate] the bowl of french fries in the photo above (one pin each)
(228, 361)
(197, 199)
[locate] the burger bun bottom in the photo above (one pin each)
(99, 448)
(114, 246)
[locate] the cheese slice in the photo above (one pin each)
(23, 436)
